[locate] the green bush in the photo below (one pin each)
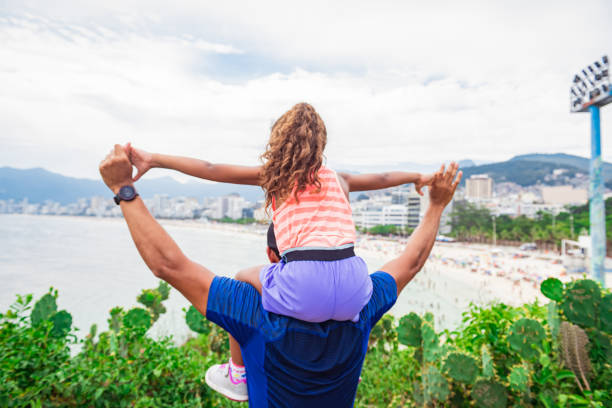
(501, 356)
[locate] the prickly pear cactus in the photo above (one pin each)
(196, 321)
(164, 290)
(431, 343)
(525, 336)
(137, 318)
(489, 394)
(409, 330)
(114, 323)
(417, 393)
(62, 321)
(43, 309)
(461, 367)
(553, 318)
(487, 362)
(605, 314)
(435, 386)
(552, 288)
(519, 379)
(581, 302)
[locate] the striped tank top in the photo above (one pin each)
(321, 219)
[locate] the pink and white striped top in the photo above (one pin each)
(321, 219)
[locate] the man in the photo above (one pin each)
(290, 363)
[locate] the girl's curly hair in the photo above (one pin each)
(294, 153)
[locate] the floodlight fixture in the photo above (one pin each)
(592, 97)
(593, 84)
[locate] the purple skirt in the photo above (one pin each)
(316, 291)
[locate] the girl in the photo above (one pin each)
(319, 277)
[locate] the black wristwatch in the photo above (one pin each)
(126, 193)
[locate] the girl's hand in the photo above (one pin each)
(424, 180)
(143, 161)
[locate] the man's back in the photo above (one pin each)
(291, 363)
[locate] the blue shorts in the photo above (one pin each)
(316, 291)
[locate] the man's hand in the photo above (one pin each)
(116, 169)
(424, 180)
(143, 161)
(444, 184)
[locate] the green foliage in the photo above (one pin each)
(489, 394)
(525, 337)
(552, 288)
(519, 379)
(431, 343)
(196, 321)
(124, 367)
(61, 323)
(471, 222)
(384, 230)
(383, 333)
(581, 302)
(44, 308)
(435, 386)
(553, 319)
(461, 367)
(137, 318)
(605, 313)
(242, 221)
(487, 363)
(409, 330)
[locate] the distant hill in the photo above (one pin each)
(567, 159)
(38, 185)
(522, 172)
(530, 169)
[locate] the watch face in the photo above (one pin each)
(127, 193)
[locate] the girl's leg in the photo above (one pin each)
(250, 276)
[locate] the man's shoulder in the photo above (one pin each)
(384, 295)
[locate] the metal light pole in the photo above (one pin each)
(590, 91)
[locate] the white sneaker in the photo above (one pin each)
(219, 379)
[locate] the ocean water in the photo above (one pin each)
(95, 266)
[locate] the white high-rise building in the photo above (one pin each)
(479, 187)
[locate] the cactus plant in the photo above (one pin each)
(409, 330)
(431, 343)
(43, 309)
(489, 394)
(574, 349)
(581, 302)
(487, 362)
(552, 288)
(196, 321)
(519, 379)
(114, 323)
(461, 367)
(164, 290)
(62, 321)
(435, 386)
(553, 318)
(137, 318)
(605, 313)
(524, 335)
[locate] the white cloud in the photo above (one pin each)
(413, 85)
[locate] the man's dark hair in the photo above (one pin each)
(272, 240)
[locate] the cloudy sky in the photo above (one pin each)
(395, 81)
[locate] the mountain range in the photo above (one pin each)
(38, 185)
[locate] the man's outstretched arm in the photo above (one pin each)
(418, 248)
(156, 247)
